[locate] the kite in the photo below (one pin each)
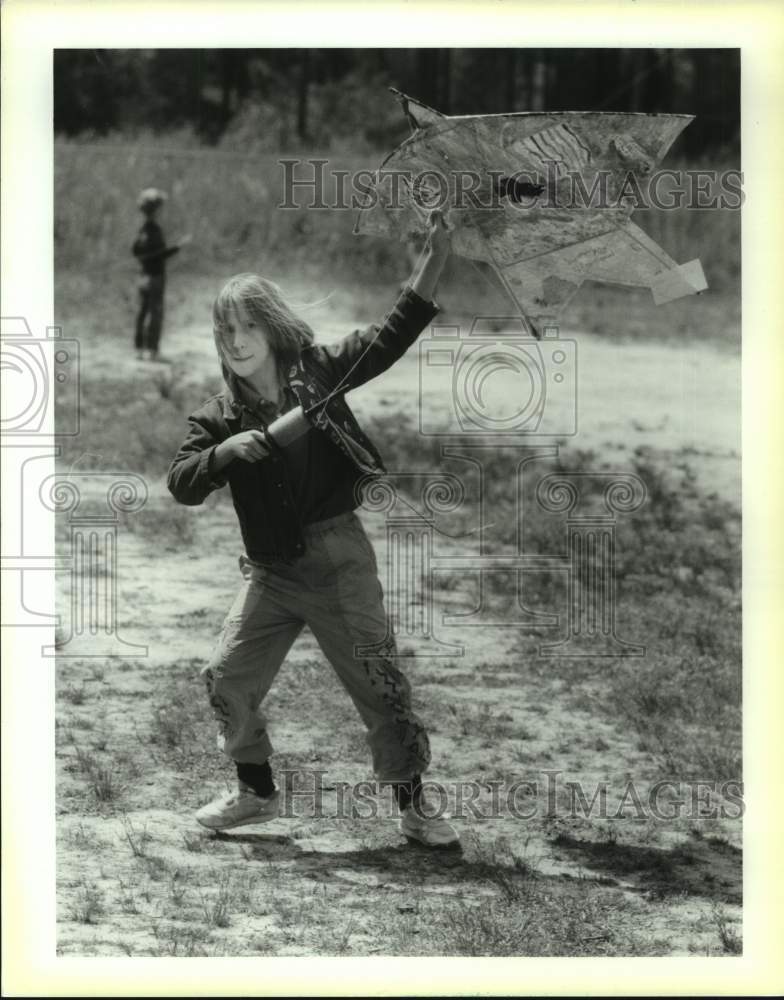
(507, 186)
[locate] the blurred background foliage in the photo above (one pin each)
(211, 125)
(275, 99)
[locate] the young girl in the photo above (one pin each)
(309, 560)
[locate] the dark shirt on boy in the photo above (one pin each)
(151, 250)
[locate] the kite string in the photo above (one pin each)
(336, 389)
(430, 522)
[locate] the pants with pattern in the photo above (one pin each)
(149, 316)
(333, 589)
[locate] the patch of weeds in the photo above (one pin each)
(343, 936)
(171, 723)
(102, 780)
(194, 843)
(501, 865)
(178, 941)
(483, 722)
(83, 840)
(536, 920)
(245, 896)
(484, 928)
(522, 755)
(731, 940)
(177, 888)
(83, 722)
(179, 719)
(610, 834)
(128, 902)
(74, 695)
(293, 916)
(155, 866)
(217, 906)
(88, 905)
(138, 840)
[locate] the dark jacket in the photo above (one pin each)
(270, 525)
(150, 248)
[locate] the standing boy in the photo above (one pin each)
(151, 251)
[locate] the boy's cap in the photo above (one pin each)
(151, 196)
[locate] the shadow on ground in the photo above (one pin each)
(709, 867)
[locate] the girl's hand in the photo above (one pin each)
(249, 446)
(183, 241)
(439, 240)
(432, 262)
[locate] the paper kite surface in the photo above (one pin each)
(541, 241)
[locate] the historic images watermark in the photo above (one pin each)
(41, 389)
(487, 390)
(548, 794)
(311, 184)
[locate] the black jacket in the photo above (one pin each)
(150, 248)
(270, 525)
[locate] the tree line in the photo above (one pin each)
(281, 97)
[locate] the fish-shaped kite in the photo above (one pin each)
(544, 198)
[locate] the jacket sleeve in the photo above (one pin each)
(364, 354)
(192, 476)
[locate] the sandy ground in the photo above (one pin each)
(137, 875)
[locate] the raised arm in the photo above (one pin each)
(431, 263)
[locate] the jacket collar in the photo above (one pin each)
(231, 408)
(232, 401)
(233, 404)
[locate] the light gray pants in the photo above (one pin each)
(334, 589)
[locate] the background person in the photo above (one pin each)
(151, 251)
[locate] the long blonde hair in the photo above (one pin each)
(263, 302)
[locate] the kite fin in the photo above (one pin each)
(539, 297)
(419, 115)
(624, 256)
(685, 279)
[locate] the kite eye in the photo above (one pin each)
(516, 189)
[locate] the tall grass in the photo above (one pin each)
(229, 200)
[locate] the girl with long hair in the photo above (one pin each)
(308, 560)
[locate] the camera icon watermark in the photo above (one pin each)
(497, 379)
(417, 560)
(94, 503)
(38, 374)
(40, 403)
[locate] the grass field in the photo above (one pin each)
(228, 202)
(135, 739)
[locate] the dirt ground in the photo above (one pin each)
(136, 752)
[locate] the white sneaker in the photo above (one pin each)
(432, 831)
(239, 809)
